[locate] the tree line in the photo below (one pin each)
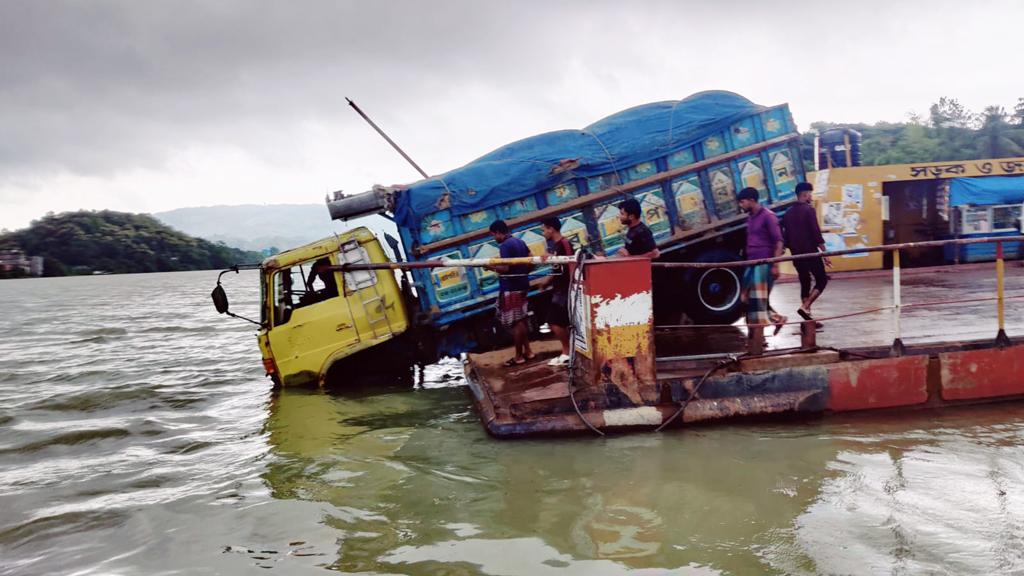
(85, 242)
(949, 132)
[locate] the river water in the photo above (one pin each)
(139, 436)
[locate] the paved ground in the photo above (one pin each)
(858, 291)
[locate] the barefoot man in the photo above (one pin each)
(514, 283)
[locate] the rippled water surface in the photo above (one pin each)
(139, 436)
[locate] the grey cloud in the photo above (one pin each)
(97, 87)
(101, 87)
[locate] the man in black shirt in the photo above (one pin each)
(639, 239)
(558, 311)
(803, 236)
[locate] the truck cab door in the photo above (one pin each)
(310, 321)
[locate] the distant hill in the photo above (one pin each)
(263, 226)
(117, 242)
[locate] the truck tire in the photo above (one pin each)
(713, 294)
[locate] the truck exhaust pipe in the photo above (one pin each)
(377, 200)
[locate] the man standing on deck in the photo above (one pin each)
(803, 236)
(764, 240)
(558, 311)
(639, 239)
(513, 283)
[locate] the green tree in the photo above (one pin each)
(951, 132)
(83, 242)
(915, 144)
(52, 267)
(950, 113)
(998, 138)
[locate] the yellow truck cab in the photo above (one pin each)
(313, 318)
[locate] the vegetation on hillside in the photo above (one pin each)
(117, 242)
(950, 132)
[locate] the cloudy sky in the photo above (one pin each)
(149, 105)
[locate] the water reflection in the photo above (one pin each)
(414, 481)
(415, 487)
(944, 497)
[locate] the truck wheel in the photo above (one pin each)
(713, 294)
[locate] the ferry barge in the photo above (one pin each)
(617, 382)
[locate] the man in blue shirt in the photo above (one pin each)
(513, 283)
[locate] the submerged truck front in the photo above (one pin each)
(314, 320)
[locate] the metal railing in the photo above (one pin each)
(757, 330)
(808, 332)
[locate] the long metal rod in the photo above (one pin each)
(458, 262)
(865, 249)
(538, 261)
(694, 357)
(386, 137)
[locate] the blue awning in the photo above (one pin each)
(986, 190)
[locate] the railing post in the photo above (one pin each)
(897, 344)
(755, 339)
(808, 335)
(1001, 338)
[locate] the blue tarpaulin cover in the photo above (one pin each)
(617, 142)
(986, 191)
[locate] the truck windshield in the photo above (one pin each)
(302, 285)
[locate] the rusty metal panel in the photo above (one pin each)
(621, 359)
(982, 373)
(883, 383)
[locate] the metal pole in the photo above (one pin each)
(1001, 338)
(859, 250)
(897, 344)
(390, 141)
(817, 150)
(755, 339)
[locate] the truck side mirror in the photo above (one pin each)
(220, 299)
